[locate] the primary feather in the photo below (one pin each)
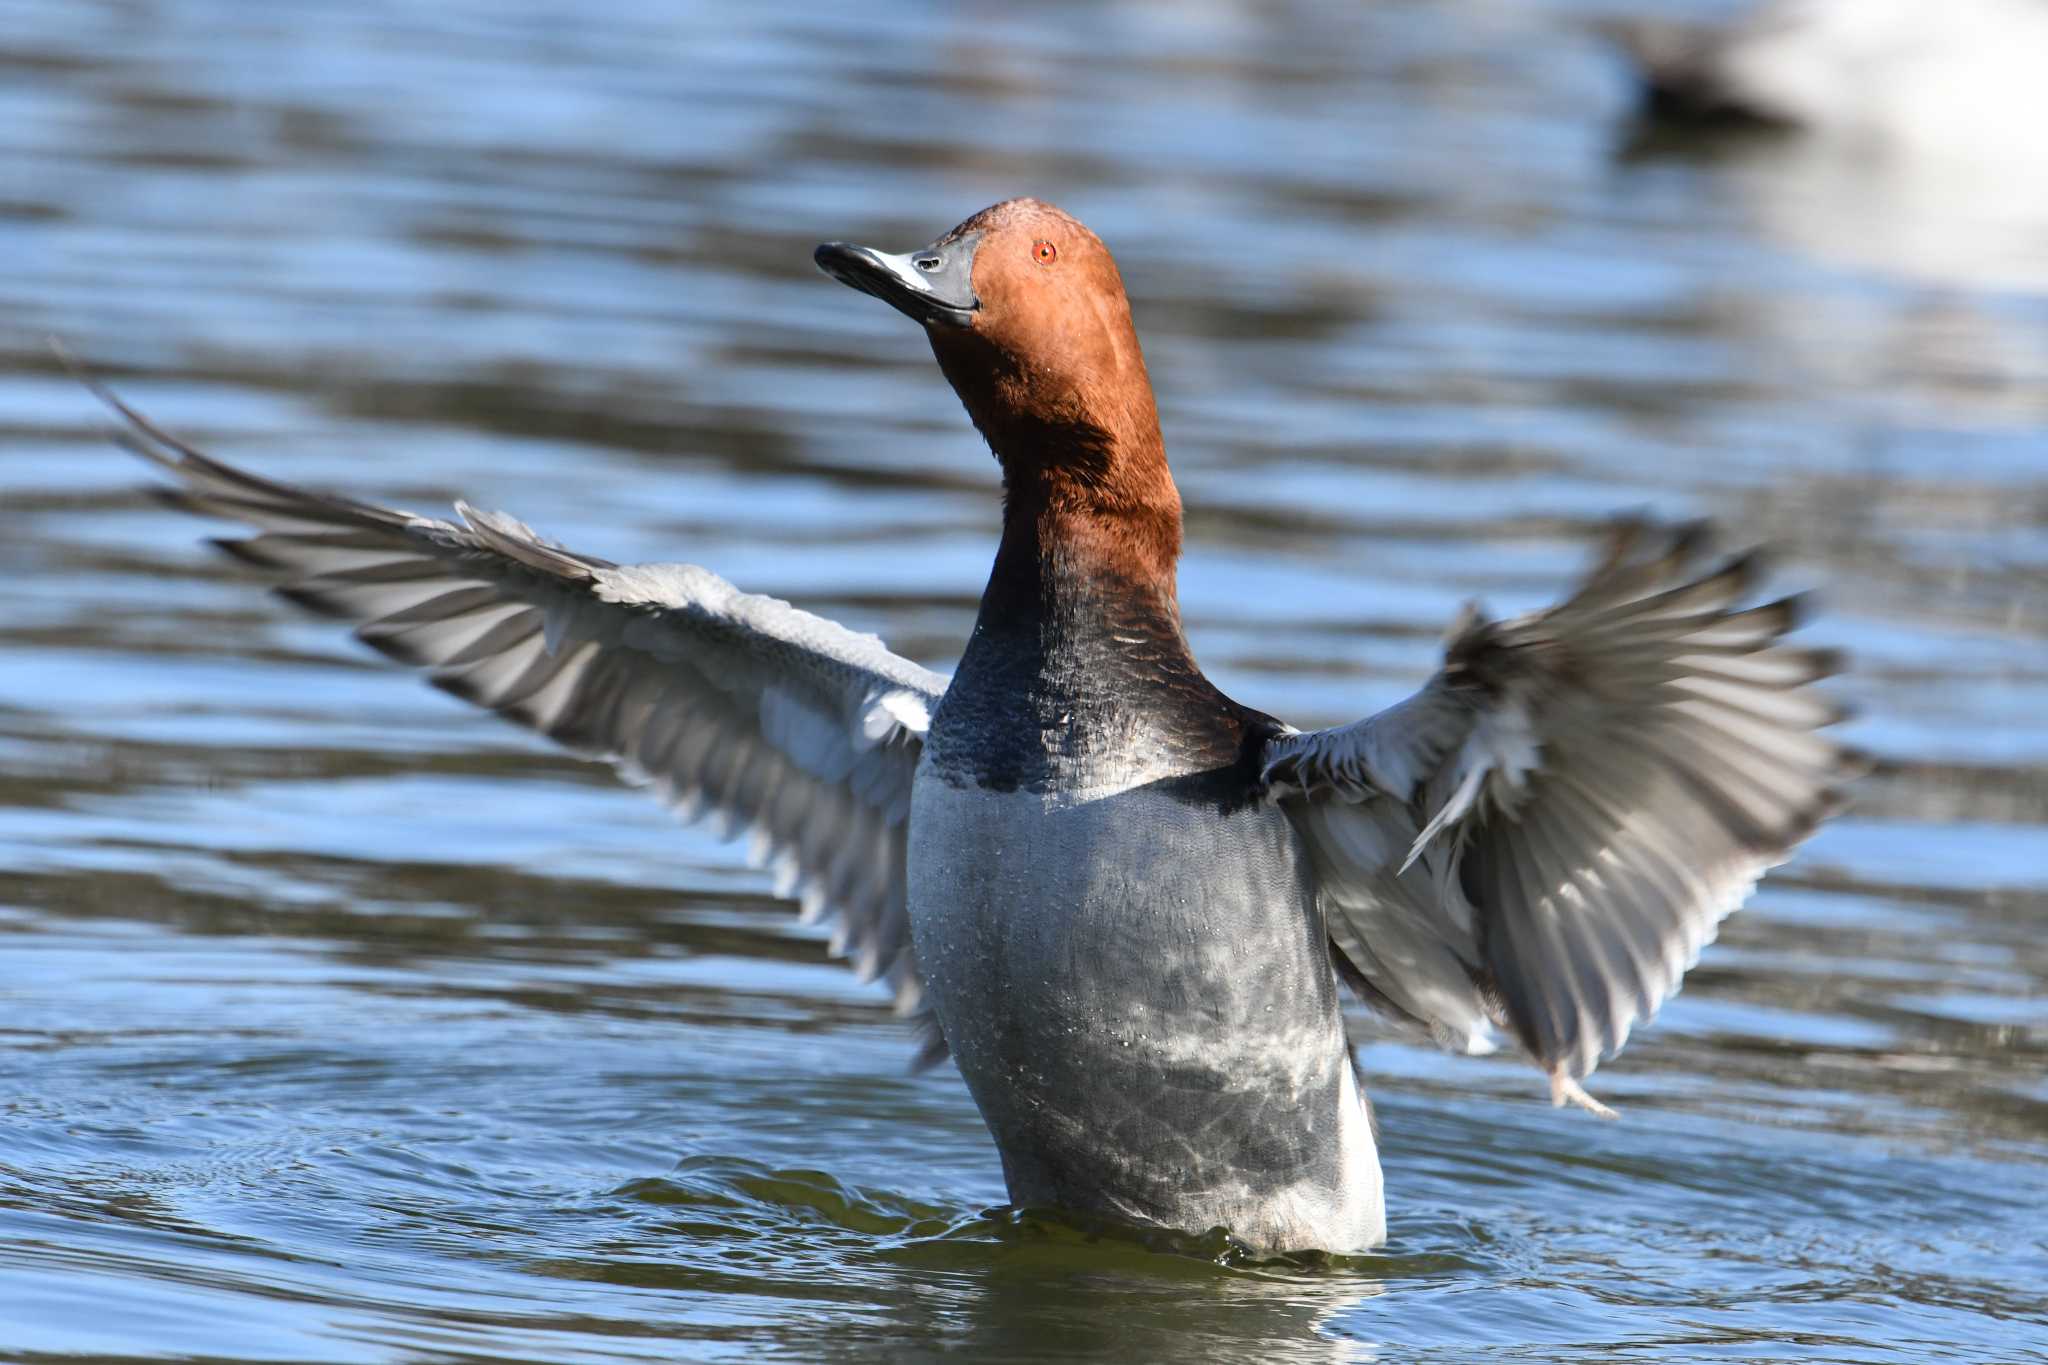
(1547, 834)
(725, 703)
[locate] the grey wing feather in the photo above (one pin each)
(727, 703)
(1548, 833)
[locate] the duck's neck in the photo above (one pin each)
(1089, 509)
(1091, 537)
(1077, 677)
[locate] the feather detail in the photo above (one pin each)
(722, 703)
(1579, 797)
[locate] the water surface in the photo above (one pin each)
(338, 1023)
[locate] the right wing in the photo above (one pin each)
(1546, 835)
(723, 702)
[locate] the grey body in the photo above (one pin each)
(1122, 940)
(1138, 991)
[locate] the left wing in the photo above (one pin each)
(721, 702)
(1548, 833)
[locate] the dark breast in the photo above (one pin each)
(1089, 691)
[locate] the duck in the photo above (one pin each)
(1891, 78)
(1127, 907)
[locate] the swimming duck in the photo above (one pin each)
(1121, 901)
(1957, 79)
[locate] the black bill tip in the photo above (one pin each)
(933, 285)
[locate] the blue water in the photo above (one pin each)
(338, 1023)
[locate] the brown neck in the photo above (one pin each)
(1095, 506)
(1086, 492)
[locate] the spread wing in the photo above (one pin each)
(1546, 835)
(722, 702)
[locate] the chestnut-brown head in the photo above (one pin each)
(1029, 320)
(1026, 313)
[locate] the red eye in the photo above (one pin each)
(1046, 253)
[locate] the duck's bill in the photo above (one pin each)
(934, 285)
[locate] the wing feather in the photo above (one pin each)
(1583, 794)
(742, 707)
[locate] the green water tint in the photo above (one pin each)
(741, 1199)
